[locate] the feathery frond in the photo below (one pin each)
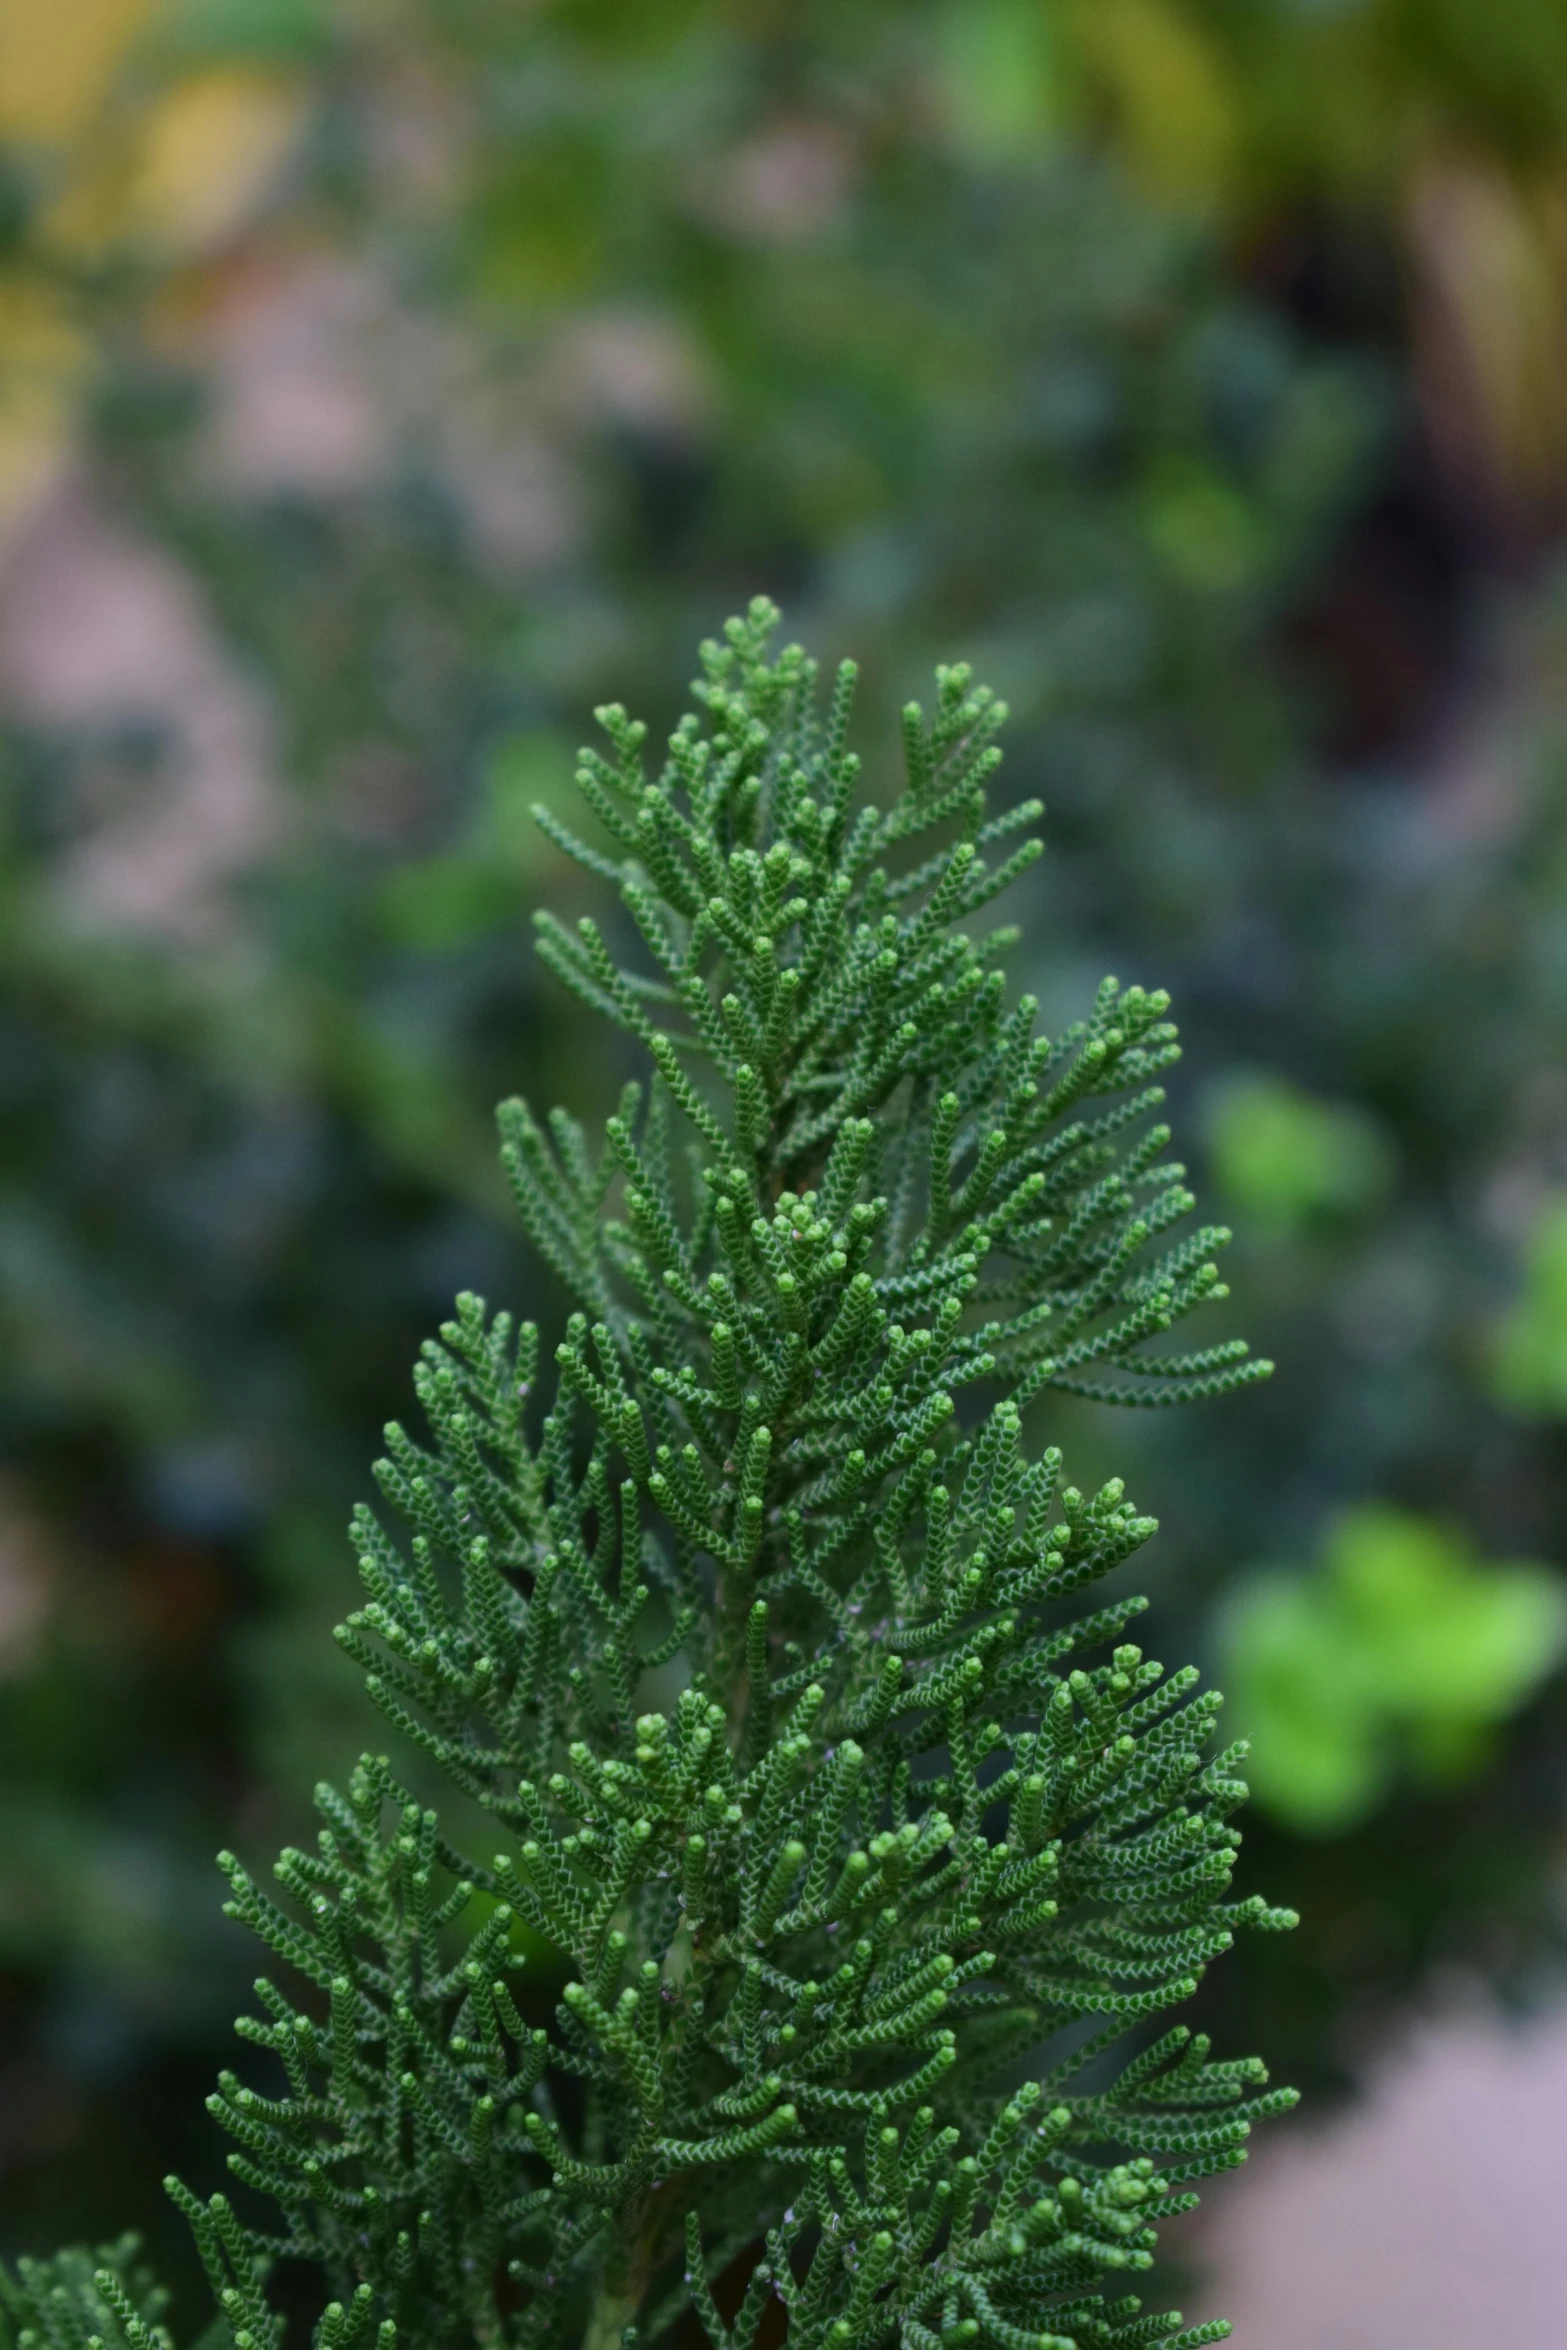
(760, 1649)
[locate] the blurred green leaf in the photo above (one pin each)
(1445, 1639)
(1284, 1159)
(998, 76)
(1398, 1653)
(291, 30)
(1529, 1356)
(1316, 1752)
(1200, 525)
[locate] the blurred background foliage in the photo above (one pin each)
(382, 383)
(1400, 1652)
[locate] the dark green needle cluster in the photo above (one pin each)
(815, 1869)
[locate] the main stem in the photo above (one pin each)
(636, 2250)
(614, 2308)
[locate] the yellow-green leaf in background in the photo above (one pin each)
(1171, 92)
(1316, 1756)
(1201, 526)
(1395, 1656)
(997, 76)
(1286, 1159)
(1448, 1637)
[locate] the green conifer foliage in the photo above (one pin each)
(759, 1657)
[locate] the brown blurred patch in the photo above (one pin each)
(176, 1594)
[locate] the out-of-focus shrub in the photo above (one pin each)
(1425, 145)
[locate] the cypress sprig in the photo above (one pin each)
(825, 1811)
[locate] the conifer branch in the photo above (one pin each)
(911, 1816)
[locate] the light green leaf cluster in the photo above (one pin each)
(1289, 1160)
(1397, 1655)
(867, 1862)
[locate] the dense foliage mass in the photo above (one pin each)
(620, 306)
(867, 1857)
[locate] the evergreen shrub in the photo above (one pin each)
(812, 1869)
